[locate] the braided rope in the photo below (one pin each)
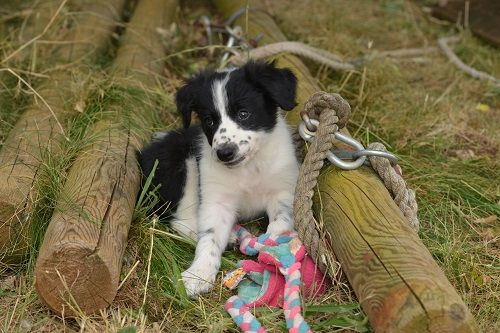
(289, 264)
(242, 316)
(297, 48)
(333, 112)
(291, 302)
(393, 180)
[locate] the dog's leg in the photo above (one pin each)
(216, 220)
(232, 241)
(280, 213)
(185, 217)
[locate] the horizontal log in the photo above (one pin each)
(81, 256)
(40, 128)
(398, 284)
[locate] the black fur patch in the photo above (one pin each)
(258, 88)
(254, 92)
(171, 152)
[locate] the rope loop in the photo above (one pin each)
(333, 112)
(333, 105)
(325, 114)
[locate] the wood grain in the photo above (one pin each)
(37, 131)
(398, 284)
(81, 256)
(396, 280)
(482, 17)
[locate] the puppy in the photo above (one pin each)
(239, 163)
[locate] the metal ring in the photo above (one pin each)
(311, 124)
(368, 152)
(347, 165)
(305, 133)
(350, 141)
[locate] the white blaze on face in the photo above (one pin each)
(219, 95)
(229, 130)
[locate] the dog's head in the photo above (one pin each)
(237, 107)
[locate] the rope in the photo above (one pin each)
(393, 180)
(335, 62)
(264, 286)
(297, 48)
(333, 112)
(443, 44)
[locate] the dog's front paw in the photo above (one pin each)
(279, 227)
(198, 280)
(232, 242)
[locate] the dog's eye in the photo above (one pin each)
(243, 114)
(209, 121)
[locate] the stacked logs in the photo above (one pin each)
(42, 126)
(86, 238)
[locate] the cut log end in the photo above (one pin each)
(433, 311)
(74, 279)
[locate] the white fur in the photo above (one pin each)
(263, 183)
(229, 131)
(186, 215)
(219, 94)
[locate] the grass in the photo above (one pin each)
(424, 109)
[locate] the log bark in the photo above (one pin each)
(41, 129)
(398, 284)
(79, 265)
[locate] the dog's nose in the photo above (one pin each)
(227, 151)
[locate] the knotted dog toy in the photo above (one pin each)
(273, 280)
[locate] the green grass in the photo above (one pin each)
(424, 111)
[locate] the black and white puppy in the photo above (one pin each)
(238, 164)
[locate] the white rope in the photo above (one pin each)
(322, 56)
(443, 44)
(334, 61)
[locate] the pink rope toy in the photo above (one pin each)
(273, 280)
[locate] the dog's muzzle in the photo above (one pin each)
(227, 153)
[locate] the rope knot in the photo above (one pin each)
(333, 112)
(322, 101)
(394, 182)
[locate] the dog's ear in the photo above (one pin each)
(184, 102)
(280, 84)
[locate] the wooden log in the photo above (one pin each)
(14, 231)
(81, 256)
(481, 16)
(40, 128)
(398, 284)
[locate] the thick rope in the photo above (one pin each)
(287, 254)
(333, 112)
(404, 197)
(323, 57)
(333, 61)
(443, 44)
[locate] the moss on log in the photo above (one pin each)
(399, 286)
(41, 129)
(81, 256)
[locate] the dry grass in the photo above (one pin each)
(424, 108)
